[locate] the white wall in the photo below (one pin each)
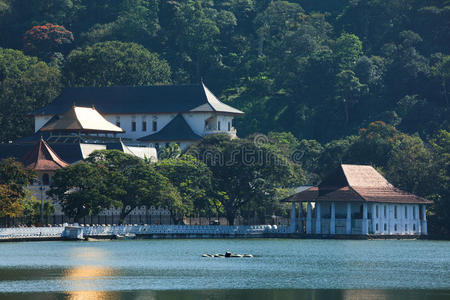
(406, 224)
(125, 123)
(195, 120)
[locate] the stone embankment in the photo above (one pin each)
(75, 232)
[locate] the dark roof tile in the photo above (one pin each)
(177, 130)
(140, 99)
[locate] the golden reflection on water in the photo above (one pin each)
(89, 254)
(85, 280)
(365, 294)
(88, 273)
(88, 295)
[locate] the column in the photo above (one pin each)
(364, 219)
(348, 223)
(318, 217)
(293, 218)
(424, 220)
(374, 218)
(417, 219)
(308, 219)
(333, 219)
(300, 221)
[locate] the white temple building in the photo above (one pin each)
(357, 200)
(150, 115)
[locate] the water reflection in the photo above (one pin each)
(267, 294)
(88, 273)
(87, 281)
(89, 295)
(89, 254)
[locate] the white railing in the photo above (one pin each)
(110, 230)
(208, 131)
(184, 229)
(30, 232)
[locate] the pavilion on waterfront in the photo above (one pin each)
(357, 200)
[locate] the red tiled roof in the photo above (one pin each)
(42, 158)
(356, 183)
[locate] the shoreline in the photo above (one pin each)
(221, 236)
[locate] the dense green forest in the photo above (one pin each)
(358, 81)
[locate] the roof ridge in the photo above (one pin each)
(354, 191)
(191, 135)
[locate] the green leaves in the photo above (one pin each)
(192, 179)
(25, 85)
(82, 190)
(115, 63)
(244, 171)
(133, 183)
(13, 179)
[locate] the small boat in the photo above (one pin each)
(227, 255)
(128, 236)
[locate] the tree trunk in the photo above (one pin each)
(123, 214)
(231, 214)
(197, 67)
(444, 87)
(260, 45)
(346, 112)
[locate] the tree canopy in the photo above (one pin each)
(13, 179)
(115, 63)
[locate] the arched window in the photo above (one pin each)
(395, 227)
(376, 227)
(385, 227)
(406, 227)
(45, 179)
(414, 227)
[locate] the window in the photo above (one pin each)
(406, 227)
(45, 179)
(155, 126)
(144, 126)
(218, 125)
(395, 212)
(376, 227)
(395, 227)
(133, 125)
(385, 210)
(229, 126)
(385, 227)
(376, 212)
(406, 212)
(414, 212)
(414, 227)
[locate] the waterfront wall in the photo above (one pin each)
(30, 232)
(143, 230)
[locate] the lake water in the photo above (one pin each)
(174, 269)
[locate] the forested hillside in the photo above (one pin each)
(360, 81)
